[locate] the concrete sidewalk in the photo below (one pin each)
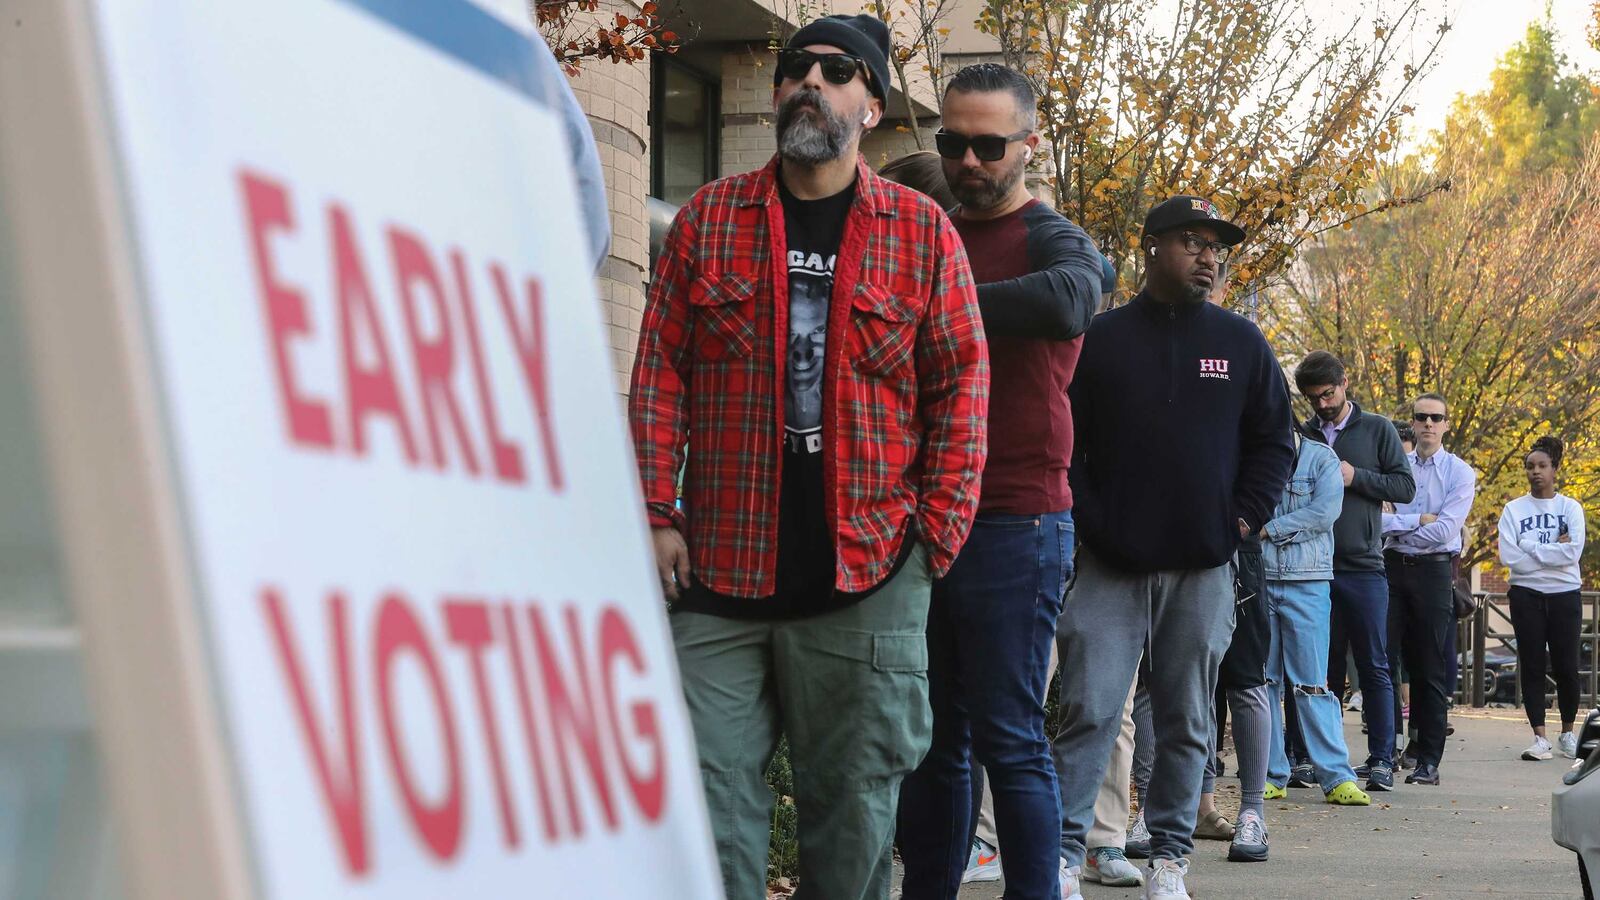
(1484, 831)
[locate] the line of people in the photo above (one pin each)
(834, 363)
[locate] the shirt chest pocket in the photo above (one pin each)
(1297, 493)
(883, 332)
(724, 312)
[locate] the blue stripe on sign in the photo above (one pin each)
(466, 33)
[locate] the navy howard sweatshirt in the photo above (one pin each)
(1183, 426)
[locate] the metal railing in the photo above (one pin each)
(1490, 629)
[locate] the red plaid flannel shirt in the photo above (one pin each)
(905, 384)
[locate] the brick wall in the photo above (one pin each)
(747, 122)
(617, 99)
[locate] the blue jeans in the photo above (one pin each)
(1361, 616)
(989, 633)
(1298, 613)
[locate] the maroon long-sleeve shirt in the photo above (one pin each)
(1039, 280)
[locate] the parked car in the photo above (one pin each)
(1504, 688)
(1575, 806)
(1495, 662)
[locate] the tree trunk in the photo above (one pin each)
(900, 72)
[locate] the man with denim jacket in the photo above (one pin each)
(813, 331)
(1297, 559)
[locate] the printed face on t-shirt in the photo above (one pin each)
(810, 283)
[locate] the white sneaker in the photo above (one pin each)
(1164, 880)
(1355, 702)
(1539, 749)
(1070, 882)
(1138, 843)
(983, 863)
(1108, 866)
(1568, 742)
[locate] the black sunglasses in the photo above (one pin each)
(987, 147)
(837, 68)
(1428, 417)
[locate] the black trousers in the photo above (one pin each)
(1553, 620)
(1422, 614)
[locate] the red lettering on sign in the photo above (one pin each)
(617, 645)
(398, 631)
(575, 673)
(266, 207)
(342, 787)
(468, 624)
(573, 723)
(507, 456)
(529, 340)
(369, 389)
(530, 730)
(435, 359)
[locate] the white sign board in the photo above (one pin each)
(413, 515)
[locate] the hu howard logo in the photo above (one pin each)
(1214, 368)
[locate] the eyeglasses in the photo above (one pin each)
(1194, 245)
(1325, 396)
(837, 68)
(987, 147)
(1428, 417)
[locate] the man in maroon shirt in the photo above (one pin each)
(994, 614)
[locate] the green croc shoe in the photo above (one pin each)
(1348, 794)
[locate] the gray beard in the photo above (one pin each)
(807, 141)
(1194, 293)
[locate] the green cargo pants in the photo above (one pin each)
(850, 689)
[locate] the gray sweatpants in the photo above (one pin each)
(1187, 619)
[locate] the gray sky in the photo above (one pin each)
(1481, 31)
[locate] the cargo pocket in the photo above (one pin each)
(724, 317)
(883, 331)
(900, 670)
(900, 653)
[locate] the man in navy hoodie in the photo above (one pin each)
(1183, 430)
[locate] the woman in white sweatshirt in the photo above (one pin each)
(1541, 539)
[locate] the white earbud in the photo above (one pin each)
(866, 119)
(1152, 251)
(1027, 153)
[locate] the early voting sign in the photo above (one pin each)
(410, 506)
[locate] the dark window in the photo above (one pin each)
(683, 130)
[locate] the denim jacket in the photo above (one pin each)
(1299, 545)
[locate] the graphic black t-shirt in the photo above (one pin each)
(805, 543)
(806, 554)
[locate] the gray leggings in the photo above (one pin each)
(1251, 723)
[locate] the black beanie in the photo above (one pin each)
(861, 35)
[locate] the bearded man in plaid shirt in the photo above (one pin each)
(812, 335)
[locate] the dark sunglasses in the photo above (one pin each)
(987, 147)
(1428, 417)
(837, 68)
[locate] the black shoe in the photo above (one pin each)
(1380, 777)
(1364, 770)
(1303, 775)
(1426, 773)
(1410, 755)
(1222, 767)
